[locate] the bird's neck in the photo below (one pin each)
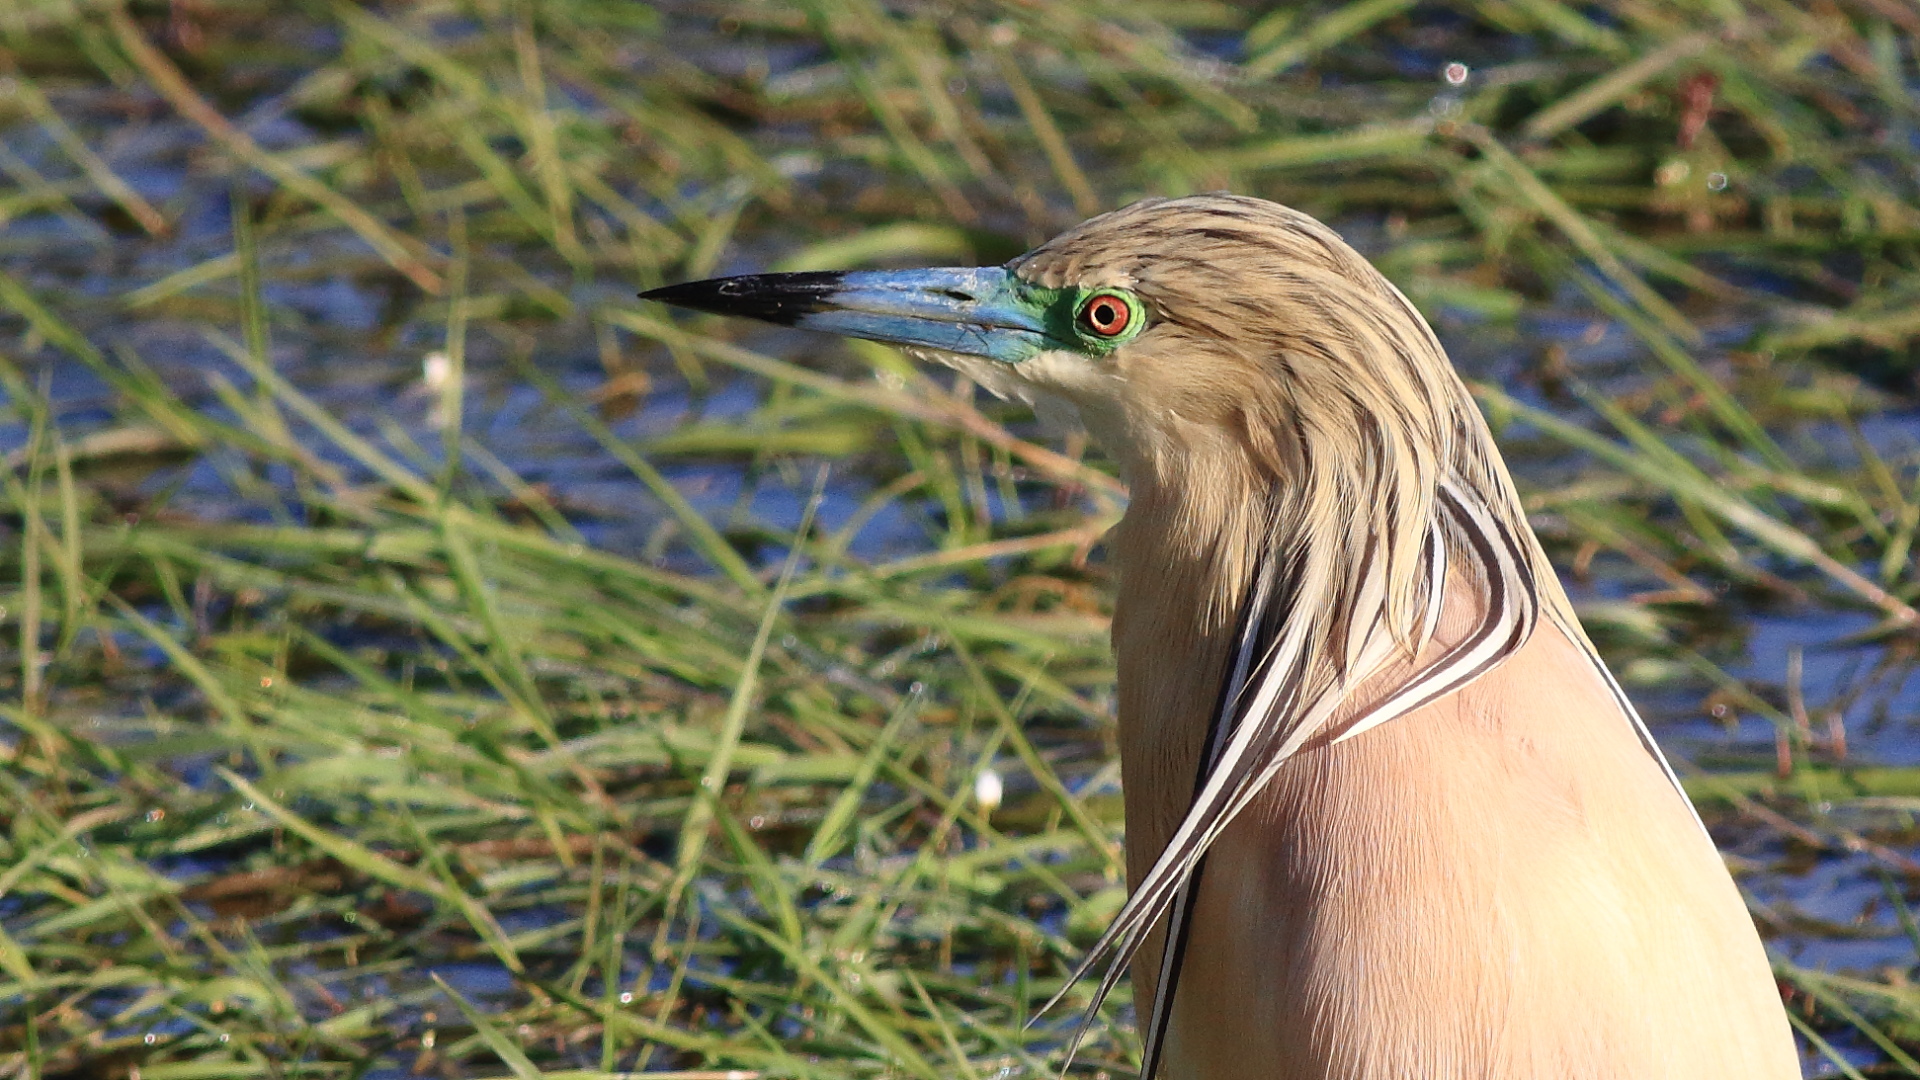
(1193, 532)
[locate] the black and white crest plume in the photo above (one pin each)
(1270, 706)
(1304, 602)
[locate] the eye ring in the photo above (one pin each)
(1107, 315)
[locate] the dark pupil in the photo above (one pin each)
(1105, 314)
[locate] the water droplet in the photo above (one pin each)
(988, 790)
(150, 1038)
(796, 164)
(1716, 181)
(435, 370)
(1456, 73)
(155, 814)
(626, 999)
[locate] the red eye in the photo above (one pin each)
(1107, 315)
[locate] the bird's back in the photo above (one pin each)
(1502, 885)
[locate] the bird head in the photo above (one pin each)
(1268, 394)
(1172, 327)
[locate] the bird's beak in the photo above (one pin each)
(976, 311)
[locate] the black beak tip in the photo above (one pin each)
(774, 298)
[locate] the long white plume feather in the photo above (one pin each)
(1269, 718)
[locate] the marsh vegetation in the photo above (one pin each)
(419, 657)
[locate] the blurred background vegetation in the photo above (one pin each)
(419, 657)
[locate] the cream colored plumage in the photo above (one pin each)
(1380, 789)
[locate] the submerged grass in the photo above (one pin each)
(420, 658)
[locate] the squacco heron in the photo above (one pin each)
(1389, 817)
